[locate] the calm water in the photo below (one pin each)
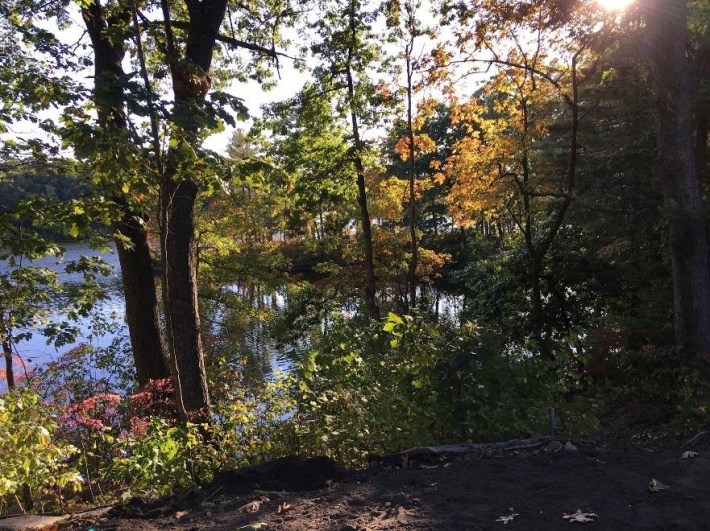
(36, 351)
(255, 339)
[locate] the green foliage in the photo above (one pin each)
(372, 391)
(254, 424)
(161, 460)
(31, 458)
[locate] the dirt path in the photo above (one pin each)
(538, 487)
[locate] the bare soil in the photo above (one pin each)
(538, 486)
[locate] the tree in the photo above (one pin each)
(675, 95)
(308, 142)
(348, 52)
(108, 27)
(509, 162)
(189, 48)
(410, 29)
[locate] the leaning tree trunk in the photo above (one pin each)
(139, 289)
(689, 250)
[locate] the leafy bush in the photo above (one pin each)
(374, 390)
(32, 462)
(160, 460)
(254, 425)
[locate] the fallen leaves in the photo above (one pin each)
(259, 526)
(580, 516)
(283, 507)
(508, 517)
(254, 505)
(656, 486)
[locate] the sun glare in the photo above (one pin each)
(614, 5)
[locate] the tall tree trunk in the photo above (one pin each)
(370, 280)
(139, 289)
(689, 250)
(412, 172)
(191, 83)
(180, 296)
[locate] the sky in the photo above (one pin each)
(252, 93)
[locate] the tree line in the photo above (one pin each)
(547, 160)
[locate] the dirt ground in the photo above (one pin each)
(537, 487)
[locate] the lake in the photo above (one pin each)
(35, 351)
(253, 339)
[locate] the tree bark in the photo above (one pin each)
(412, 170)
(178, 196)
(139, 289)
(180, 296)
(9, 370)
(674, 89)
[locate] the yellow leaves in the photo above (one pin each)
(43, 436)
(440, 56)
(501, 158)
(427, 107)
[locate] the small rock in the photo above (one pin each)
(554, 446)
(570, 447)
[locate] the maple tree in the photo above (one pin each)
(513, 162)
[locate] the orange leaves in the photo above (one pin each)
(384, 93)
(437, 67)
(422, 144)
(503, 165)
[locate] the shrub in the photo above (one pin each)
(32, 461)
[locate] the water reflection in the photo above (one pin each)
(99, 329)
(252, 329)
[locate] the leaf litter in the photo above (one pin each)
(580, 516)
